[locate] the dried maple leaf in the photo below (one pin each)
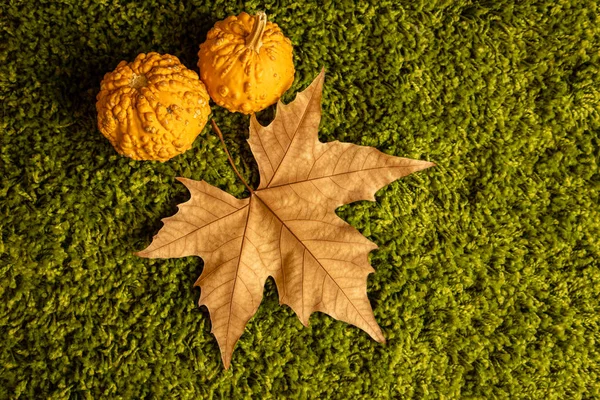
(287, 228)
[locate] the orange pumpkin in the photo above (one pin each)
(246, 63)
(152, 108)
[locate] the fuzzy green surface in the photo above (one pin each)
(487, 282)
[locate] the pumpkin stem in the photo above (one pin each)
(216, 128)
(253, 41)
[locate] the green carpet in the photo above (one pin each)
(488, 279)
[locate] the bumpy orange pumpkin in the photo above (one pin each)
(152, 108)
(246, 63)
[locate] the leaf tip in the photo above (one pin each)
(140, 253)
(226, 360)
(305, 321)
(427, 164)
(421, 165)
(185, 181)
(378, 336)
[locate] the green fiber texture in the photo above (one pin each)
(487, 278)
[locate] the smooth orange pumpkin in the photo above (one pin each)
(246, 63)
(152, 108)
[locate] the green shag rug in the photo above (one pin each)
(488, 279)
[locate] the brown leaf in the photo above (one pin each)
(287, 228)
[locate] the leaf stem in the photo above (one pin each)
(216, 128)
